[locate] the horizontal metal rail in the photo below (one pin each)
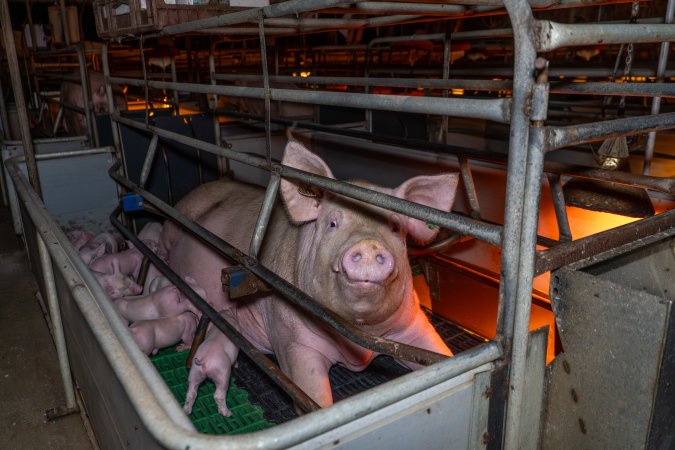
(451, 221)
(570, 252)
(497, 110)
(296, 296)
(261, 361)
(252, 15)
(553, 35)
(559, 137)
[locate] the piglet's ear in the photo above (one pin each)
(99, 251)
(435, 191)
(302, 201)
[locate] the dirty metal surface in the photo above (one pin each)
(602, 388)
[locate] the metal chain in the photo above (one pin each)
(635, 9)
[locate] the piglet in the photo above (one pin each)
(129, 262)
(115, 283)
(165, 302)
(214, 359)
(99, 245)
(151, 236)
(154, 335)
(79, 238)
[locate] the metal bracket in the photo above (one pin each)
(239, 282)
(60, 411)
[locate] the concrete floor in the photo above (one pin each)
(30, 381)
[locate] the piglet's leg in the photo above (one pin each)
(195, 379)
(309, 370)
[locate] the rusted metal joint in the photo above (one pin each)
(239, 282)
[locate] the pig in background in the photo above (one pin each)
(75, 122)
(349, 256)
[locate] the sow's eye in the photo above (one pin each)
(333, 220)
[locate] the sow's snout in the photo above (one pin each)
(368, 261)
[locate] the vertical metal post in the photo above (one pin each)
(13, 64)
(223, 163)
(656, 101)
(57, 325)
(174, 78)
(525, 54)
(64, 22)
(86, 91)
(3, 114)
(149, 158)
(265, 213)
(266, 86)
(564, 231)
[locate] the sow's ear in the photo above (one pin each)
(302, 201)
(435, 191)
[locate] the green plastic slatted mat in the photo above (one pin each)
(246, 417)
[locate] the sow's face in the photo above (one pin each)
(353, 256)
(360, 266)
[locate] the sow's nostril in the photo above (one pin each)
(367, 261)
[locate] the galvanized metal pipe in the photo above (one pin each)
(587, 247)
(656, 102)
(493, 109)
(149, 159)
(286, 8)
(617, 89)
(455, 222)
(92, 130)
(552, 35)
(265, 214)
(57, 324)
(297, 297)
(3, 116)
(510, 307)
(564, 230)
(19, 100)
(559, 137)
(417, 8)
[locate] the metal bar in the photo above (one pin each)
(57, 324)
(4, 121)
(297, 297)
(92, 131)
(265, 214)
(469, 186)
(497, 110)
(553, 35)
(455, 222)
(656, 102)
(618, 89)
(116, 135)
(276, 10)
(64, 22)
(564, 231)
(149, 159)
(559, 137)
(266, 89)
(570, 252)
(174, 78)
(420, 8)
(273, 371)
(20, 101)
(502, 415)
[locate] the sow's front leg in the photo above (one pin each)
(308, 369)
